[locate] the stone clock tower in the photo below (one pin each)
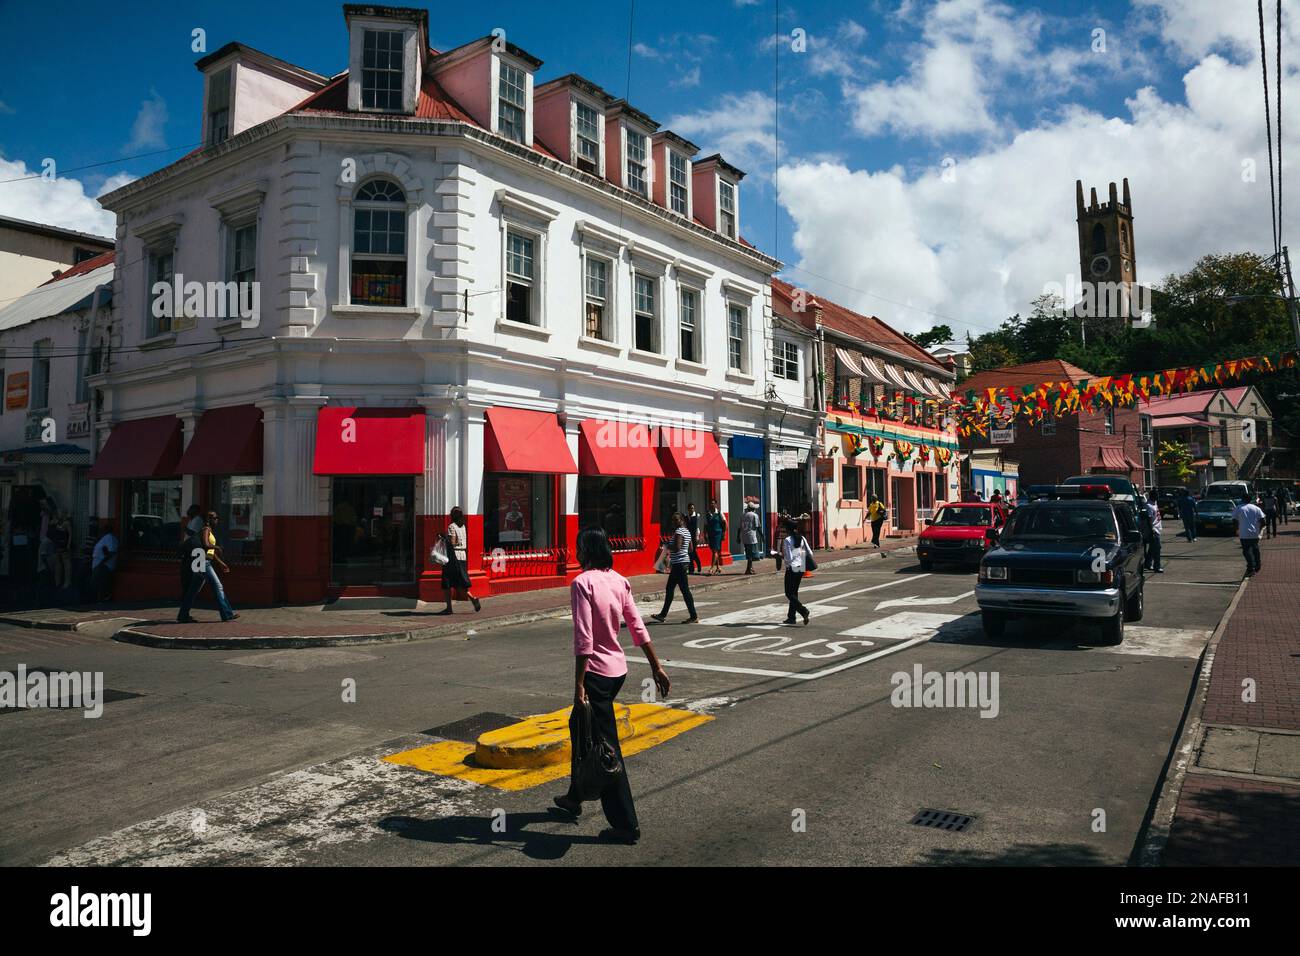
(1106, 251)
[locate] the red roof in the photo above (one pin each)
(81, 268)
(837, 318)
(1031, 373)
(1192, 403)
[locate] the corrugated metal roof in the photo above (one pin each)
(54, 298)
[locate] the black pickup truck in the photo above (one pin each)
(1077, 556)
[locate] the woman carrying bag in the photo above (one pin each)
(716, 526)
(450, 552)
(798, 556)
(601, 598)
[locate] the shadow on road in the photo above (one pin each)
(477, 831)
(1020, 854)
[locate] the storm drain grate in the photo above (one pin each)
(469, 729)
(109, 695)
(942, 820)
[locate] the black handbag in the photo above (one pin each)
(809, 562)
(598, 766)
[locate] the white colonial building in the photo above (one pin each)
(434, 280)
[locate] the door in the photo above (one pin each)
(373, 531)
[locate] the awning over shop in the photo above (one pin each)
(228, 441)
(617, 449)
(914, 382)
(934, 388)
(689, 454)
(369, 441)
(144, 448)
(895, 377)
(519, 440)
(60, 454)
(860, 366)
(1112, 459)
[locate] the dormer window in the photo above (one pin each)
(219, 107)
(727, 208)
(678, 194)
(382, 70)
(638, 154)
(586, 126)
(512, 100)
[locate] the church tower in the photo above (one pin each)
(1106, 250)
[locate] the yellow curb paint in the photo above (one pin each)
(653, 725)
(538, 741)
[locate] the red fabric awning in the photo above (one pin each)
(688, 454)
(520, 440)
(369, 441)
(144, 448)
(1112, 459)
(228, 441)
(617, 449)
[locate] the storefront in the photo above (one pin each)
(746, 459)
(618, 469)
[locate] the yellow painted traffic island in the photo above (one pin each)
(536, 750)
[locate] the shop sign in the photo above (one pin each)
(1002, 436)
(825, 470)
(78, 425)
(16, 390)
(784, 458)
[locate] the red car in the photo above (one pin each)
(960, 533)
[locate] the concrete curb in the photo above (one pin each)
(1155, 836)
(42, 625)
(133, 635)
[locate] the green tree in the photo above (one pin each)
(936, 336)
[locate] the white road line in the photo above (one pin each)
(1191, 584)
(876, 587)
(803, 589)
(792, 675)
(923, 601)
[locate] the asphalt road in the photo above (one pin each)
(255, 757)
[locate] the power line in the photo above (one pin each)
(1268, 125)
(109, 162)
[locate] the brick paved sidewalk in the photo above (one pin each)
(1239, 803)
(336, 624)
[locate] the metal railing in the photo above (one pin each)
(524, 561)
(620, 545)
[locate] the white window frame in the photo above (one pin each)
(684, 288)
(735, 210)
(1110, 420)
(505, 69)
(165, 325)
(533, 282)
(411, 55)
(209, 137)
(686, 172)
(409, 234)
(648, 175)
(401, 73)
(522, 214)
(497, 60)
(656, 288)
(782, 350)
(574, 139)
(607, 301)
(745, 309)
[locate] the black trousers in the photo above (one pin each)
(695, 557)
(792, 582)
(1153, 553)
(1270, 522)
(1250, 551)
(875, 530)
(677, 579)
(616, 801)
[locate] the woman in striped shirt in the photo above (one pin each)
(680, 549)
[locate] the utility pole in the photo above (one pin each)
(1288, 293)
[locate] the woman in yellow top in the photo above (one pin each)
(205, 570)
(876, 514)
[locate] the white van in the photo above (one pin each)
(1233, 490)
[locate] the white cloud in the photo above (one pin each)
(1197, 27)
(741, 127)
(56, 202)
(688, 78)
(149, 129)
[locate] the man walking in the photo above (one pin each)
(876, 515)
(1269, 504)
(1157, 526)
(749, 536)
(1187, 511)
(1250, 518)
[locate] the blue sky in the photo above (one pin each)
(1013, 100)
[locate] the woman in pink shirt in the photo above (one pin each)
(602, 600)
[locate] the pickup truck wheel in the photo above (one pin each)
(995, 624)
(1133, 606)
(1112, 630)
(927, 564)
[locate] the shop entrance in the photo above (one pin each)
(902, 504)
(373, 531)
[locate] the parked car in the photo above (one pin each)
(960, 533)
(1232, 490)
(1078, 556)
(1214, 515)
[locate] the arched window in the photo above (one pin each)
(1098, 239)
(379, 244)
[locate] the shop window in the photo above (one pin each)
(851, 483)
(746, 486)
(675, 494)
(518, 512)
(239, 513)
(875, 483)
(151, 516)
(614, 506)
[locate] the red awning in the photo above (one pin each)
(688, 454)
(617, 449)
(1112, 459)
(369, 441)
(144, 448)
(520, 440)
(228, 441)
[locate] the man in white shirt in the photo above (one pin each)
(1157, 526)
(103, 562)
(1250, 520)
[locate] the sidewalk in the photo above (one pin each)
(338, 624)
(1234, 788)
